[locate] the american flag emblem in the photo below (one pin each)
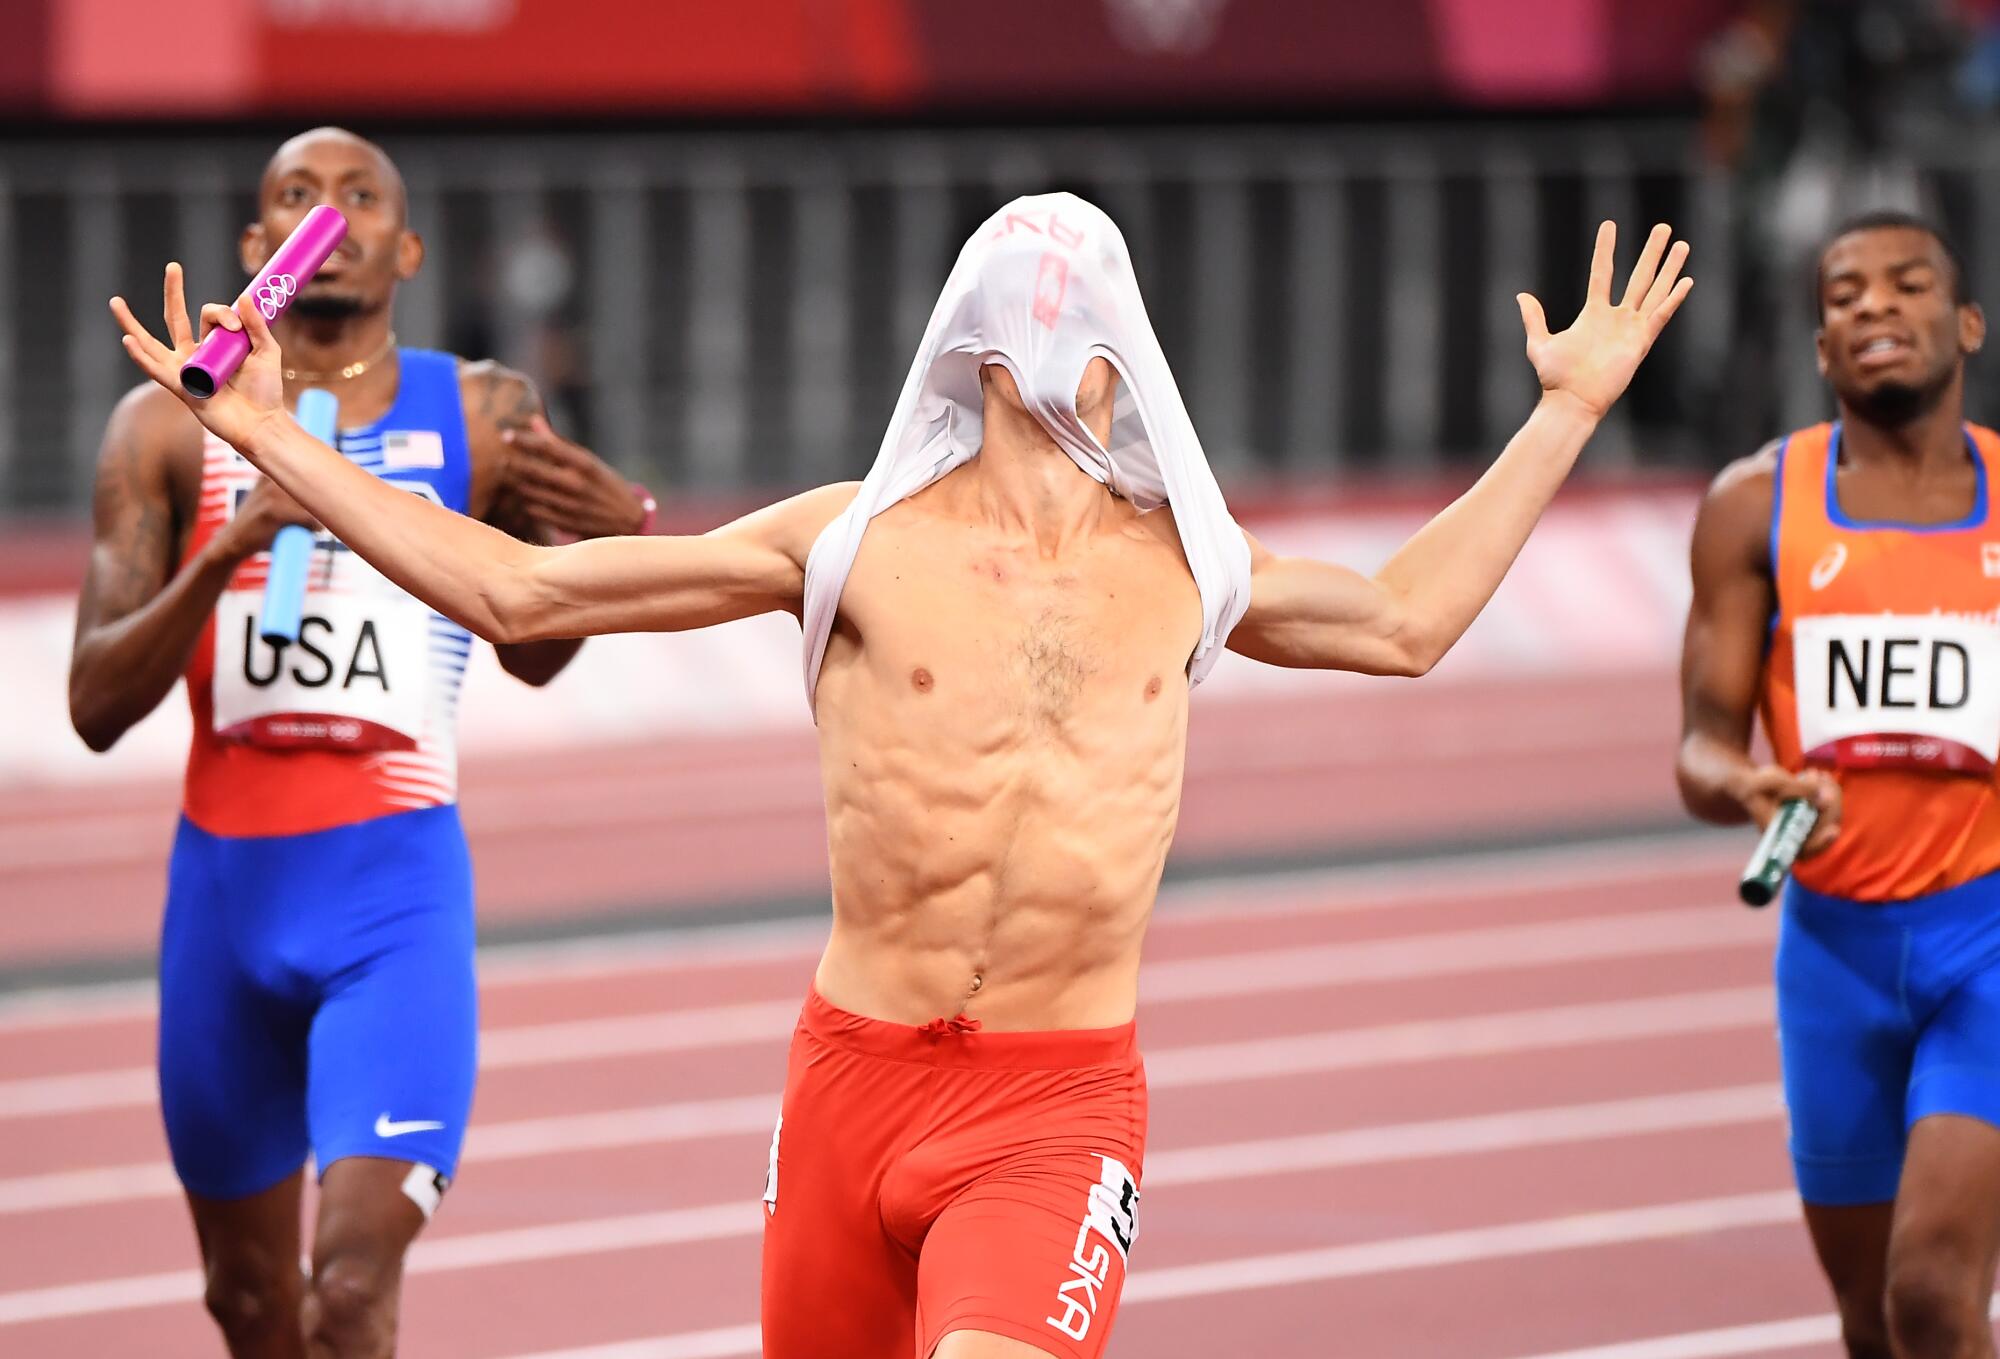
(412, 448)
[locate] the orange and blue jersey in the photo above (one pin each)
(1884, 667)
(317, 993)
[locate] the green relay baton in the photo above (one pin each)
(1783, 839)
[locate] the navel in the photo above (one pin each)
(921, 681)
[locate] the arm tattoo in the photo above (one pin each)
(135, 540)
(526, 405)
(507, 400)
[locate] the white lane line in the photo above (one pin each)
(1553, 1027)
(1455, 952)
(1194, 1165)
(1723, 1342)
(788, 782)
(689, 1120)
(33, 1096)
(1262, 972)
(1395, 884)
(1694, 1217)
(521, 1139)
(1476, 1134)
(1760, 1337)
(1514, 1240)
(724, 1342)
(63, 1007)
(1556, 1026)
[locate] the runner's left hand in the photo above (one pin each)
(567, 487)
(1592, 361)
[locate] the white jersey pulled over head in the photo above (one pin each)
(1044, 286)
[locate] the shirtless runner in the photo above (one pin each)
(1002, 717)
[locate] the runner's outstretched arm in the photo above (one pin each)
(504, 590)
(1410, 613)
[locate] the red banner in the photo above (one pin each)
(89, 58)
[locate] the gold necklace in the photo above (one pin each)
(349, 371)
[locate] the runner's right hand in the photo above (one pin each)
(243, 406)
(263, 512)
(1764, 789)
(1592, 361)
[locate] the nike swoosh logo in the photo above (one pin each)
(385, 1128)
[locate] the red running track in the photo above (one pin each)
(1510, 1107)
(692, 822)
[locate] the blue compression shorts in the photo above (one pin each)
(1887, 1013)
(317, 996)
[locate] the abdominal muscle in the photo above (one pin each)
(1002, 779)
(1014, 889)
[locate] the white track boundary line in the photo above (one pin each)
(721, 1222)
(1493, 1034)
(661, 1124)
(1497, 1033)
(1724, 1342)
(724, 1342)
(790, 783)
(1262, 972)
(1514, 1240)
(1412, 882)
(1692, 1217)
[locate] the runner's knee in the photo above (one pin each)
(1934, 1302)
(249, 1299)
(351, 1311)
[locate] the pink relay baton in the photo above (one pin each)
(216, 359)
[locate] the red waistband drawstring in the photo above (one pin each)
(938, 1029)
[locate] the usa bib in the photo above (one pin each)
(354, 680)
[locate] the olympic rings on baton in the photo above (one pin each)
(272, 296)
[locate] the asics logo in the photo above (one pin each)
(386, 1127)
(273, 293)
(1828, 566)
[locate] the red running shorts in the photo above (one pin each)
(925, 1180)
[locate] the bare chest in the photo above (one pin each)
(1006, 637)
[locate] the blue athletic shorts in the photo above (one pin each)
(317, 996)
(1887, 1013)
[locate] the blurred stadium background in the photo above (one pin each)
(712, 233)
